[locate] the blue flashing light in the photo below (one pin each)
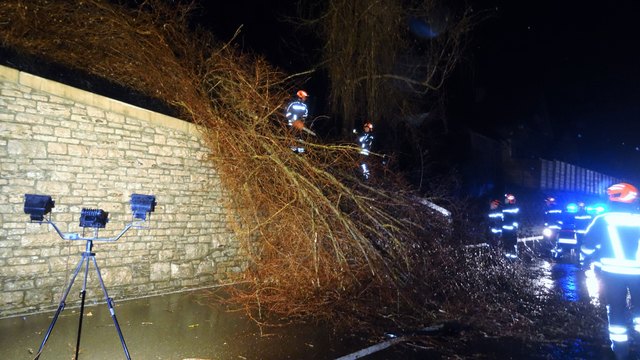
(597, 208)
(572, 207)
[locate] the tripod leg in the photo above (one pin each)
(111, 309)
(83, 295)
(61, 306)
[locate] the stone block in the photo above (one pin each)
(26, 149)
(14, 286)
(37, 297)
(53, 109)
(11, 298)
(160, 271)
(16, 130)
(195, 251)
(181, 271)
(79, 151)
(52, 187)
(116, 276)
(57, 148)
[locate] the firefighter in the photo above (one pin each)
(572, 228)
(552, 213)
(552, 222)
(611, 243)
(510, 213)
(365, 140)
(581, 220)
(495, 222)
(296, 115)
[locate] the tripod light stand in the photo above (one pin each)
(37, 206)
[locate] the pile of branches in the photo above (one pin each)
(320, 242)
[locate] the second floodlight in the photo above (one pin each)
(141, 205)
(94, 218)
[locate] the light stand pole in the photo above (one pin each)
(37, 206)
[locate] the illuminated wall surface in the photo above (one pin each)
(558, 175)
(89, 151)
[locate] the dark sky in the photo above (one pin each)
(268, 28)
(563, 71)
(566, 67)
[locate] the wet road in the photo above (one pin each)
(187, 326)
(171, 327)
(567, 278)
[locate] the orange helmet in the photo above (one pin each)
(622, 192)
(302, 94)
(368, 126)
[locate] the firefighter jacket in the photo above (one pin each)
(365, 140)
(296, 110)
(553, 217)
(510, 214)
(611, 241)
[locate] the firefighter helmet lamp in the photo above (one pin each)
(142, 205)
(37, 206)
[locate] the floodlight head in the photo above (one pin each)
(94, 218)
(141, 205)
(37, 206)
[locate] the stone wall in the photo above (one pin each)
(88, 151)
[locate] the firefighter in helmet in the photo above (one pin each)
(296, 114)
(552, 213)
(510, 214)
(611, 243)
(365, 140)
(495, 222)
(552, 222)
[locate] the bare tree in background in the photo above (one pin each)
(386, 59)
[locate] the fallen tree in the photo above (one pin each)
(321, 243)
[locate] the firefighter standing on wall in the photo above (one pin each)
(296, 114)
(611, 242)
(510, 214)
(365, 140)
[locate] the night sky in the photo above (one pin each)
(564, 75)
(566, 72)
